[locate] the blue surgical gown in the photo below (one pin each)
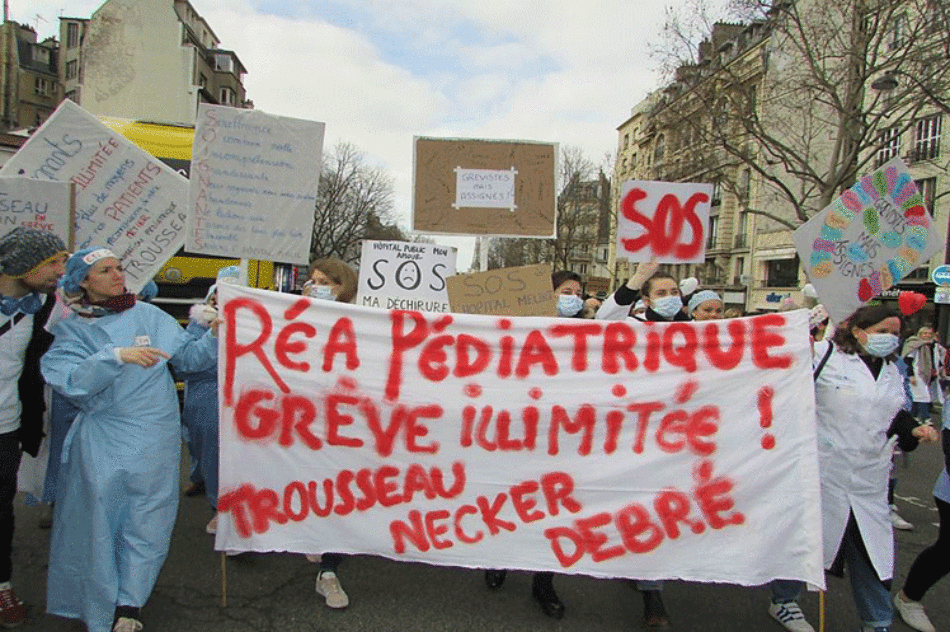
(118, 491)
(200, 416)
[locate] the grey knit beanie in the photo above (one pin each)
(23, 249)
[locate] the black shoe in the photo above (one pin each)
(495, 578)
(654, 612)
(194, 489)
(548, 600)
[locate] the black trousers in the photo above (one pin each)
(10, 454)
(932, 563)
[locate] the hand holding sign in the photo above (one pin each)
(664, 220)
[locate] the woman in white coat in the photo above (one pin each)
(924, 357)
(859, 393)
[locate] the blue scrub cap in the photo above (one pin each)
(701, 297)
(78, 267)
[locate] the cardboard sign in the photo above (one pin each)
(665, 220)
(126, 200)
(253, 185)
(871, 237)
(524, 291)
(484, 187)
(613, 449)
(39, 204)
(403, 275)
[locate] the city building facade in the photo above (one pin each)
(30, 88)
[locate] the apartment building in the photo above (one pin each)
(29, 83)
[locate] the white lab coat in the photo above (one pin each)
(854, 413)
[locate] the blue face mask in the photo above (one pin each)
(881, 345)
(323, 292)
(667, 306)
(569, 304)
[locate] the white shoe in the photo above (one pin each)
(790, 616)
(898, 522)
(912, 612)
(125, 624)
(328, 586)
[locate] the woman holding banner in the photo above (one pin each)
(331, 280)
(859, 395)
(118, 493)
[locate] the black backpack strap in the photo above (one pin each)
(824, 359)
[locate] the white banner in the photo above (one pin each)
(615, 449)
(404, 275)
(126, 200)
(876, 233)
(666, 220)
(253, 184)
(39, 204)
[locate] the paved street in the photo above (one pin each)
(271, 593)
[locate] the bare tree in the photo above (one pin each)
(354, 201)
(795, 94)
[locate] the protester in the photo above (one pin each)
(818, 320)
(200, 410)
(858, 390)
(705, 305)
(661, 296)
(934, 562)
(31, 263)
(117, 500)
(639, 310)
(332, 280)
(924, 357)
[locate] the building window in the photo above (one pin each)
(781, 272)
(928, 191)
(888, 145)
(741, 228)
(659, 149)
(712, 238)
(202, 80)
(626, 140)
(72, 68)
(623, 166)
(716, 193)
(633, 161)
(72, 35)
(223, 63)
(927, 138)
(740, 271)
(40, 55)
(227, 96)
(42, 87)
(745, 185)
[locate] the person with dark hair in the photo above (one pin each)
(659, 291)
(859, 394)
(31, 263)
(567, 293)
(118, 492)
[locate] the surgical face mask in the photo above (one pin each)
(667, 306)
(569, 304)
(881, 345)
(323, 292)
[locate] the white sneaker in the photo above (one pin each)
(912, 612)
(898, 522)
(328, 586)
(790, 616)
(125, 624)
(212, 527)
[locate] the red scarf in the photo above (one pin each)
(117, 304)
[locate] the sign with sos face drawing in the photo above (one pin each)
(663, 220)
(615, 449)
(404, 275)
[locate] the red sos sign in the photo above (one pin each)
(664, 235)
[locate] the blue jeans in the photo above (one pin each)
(786, 590)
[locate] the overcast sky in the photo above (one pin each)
(380, 72)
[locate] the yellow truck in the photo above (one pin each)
(186, 278)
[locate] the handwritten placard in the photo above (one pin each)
(253, 184)
(403, 275)
(613, 449)
(39, 204)
(523, 291)
(126, 200)
(484, 187)
(871, 237)
(665, 220)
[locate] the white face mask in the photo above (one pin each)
(569, 304)
(322, 292)
(667, 306)
(881, 345)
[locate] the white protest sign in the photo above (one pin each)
(403, 275)
(253, 184)
(485, 188)
(867, 240)
(39, 204)
(126, 200)
(614, 449)
(666, 220)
